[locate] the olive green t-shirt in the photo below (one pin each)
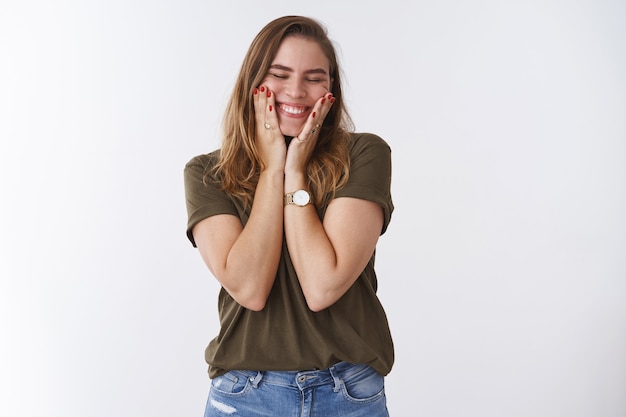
(286, 335)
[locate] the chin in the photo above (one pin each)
(290, 132)
(289, 129)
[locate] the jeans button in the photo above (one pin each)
(301, 378)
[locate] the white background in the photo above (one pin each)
(503, 270)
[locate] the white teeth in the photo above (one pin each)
(291, 109)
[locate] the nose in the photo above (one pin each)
(295, 88)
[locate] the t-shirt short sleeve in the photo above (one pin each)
(203, 196)
(370, 173)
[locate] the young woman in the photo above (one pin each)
(286, 216)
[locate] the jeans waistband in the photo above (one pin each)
(306, 379)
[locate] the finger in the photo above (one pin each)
(325, 104)
(316, 118)
(265, 114)
(259, 98)
(271, 120)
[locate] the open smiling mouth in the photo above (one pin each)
(293, 110)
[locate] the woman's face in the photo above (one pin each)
(298, 77)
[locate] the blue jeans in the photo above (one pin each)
(344, 390)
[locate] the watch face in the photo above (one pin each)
(301, 198)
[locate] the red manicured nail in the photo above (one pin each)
(332, 100)
(269, 93)
(262, 89)
(323, 100)
(313, 115)
(330, 95)
(270, 107)
(255, 91)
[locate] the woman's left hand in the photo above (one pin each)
(302, 146)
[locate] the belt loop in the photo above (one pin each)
(255, 381)
(335, 378)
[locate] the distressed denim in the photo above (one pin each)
(344, 390)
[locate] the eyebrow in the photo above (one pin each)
(311, 71)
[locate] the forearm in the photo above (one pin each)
(252, 262)
(311, 251)
(313, 257)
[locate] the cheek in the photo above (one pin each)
(270, 83)
(320, 90)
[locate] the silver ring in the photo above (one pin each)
(267, 125)
(315, 129)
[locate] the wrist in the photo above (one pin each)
(294, 181)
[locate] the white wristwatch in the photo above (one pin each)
(299, 198)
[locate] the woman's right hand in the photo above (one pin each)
(270, 141)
